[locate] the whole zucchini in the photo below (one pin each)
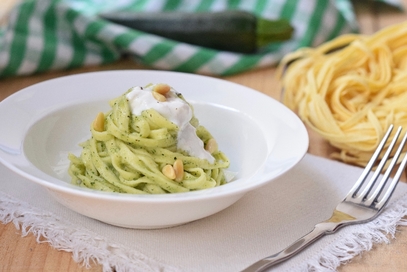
(233, 30)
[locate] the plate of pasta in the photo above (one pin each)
(148, 149)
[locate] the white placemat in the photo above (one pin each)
(260, 224)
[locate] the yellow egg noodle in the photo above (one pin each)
(138, 154)
(349, 90)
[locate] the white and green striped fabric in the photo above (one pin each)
(43, 35)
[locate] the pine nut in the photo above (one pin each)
(168, 171)
(162, 88)
(179, 170)
(99, 122)
(159, 97)
(211, 146)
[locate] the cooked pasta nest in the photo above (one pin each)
(350, 90)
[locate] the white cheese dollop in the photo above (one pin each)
(177, 111)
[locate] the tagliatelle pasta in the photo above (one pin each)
(149, 143)
(349, 90)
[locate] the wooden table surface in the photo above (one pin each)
(19, 253)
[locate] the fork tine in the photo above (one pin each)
(396, 177)
(369, 166)
(373, 197)
(378, 171)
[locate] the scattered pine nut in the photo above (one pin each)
(162, 88)
(179, 170)
(168, 171)
(159, 97)
(211, 146)
(99, 122)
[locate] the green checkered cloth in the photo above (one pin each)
(43, 35)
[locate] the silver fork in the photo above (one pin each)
(357, 207)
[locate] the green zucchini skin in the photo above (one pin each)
(232, 30)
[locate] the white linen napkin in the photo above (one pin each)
(260, 224)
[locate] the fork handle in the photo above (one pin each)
(319, 230)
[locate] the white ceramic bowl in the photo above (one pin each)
(42, 123)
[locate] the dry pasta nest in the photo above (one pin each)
(350, 90)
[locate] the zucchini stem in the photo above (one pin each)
(269, 31)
